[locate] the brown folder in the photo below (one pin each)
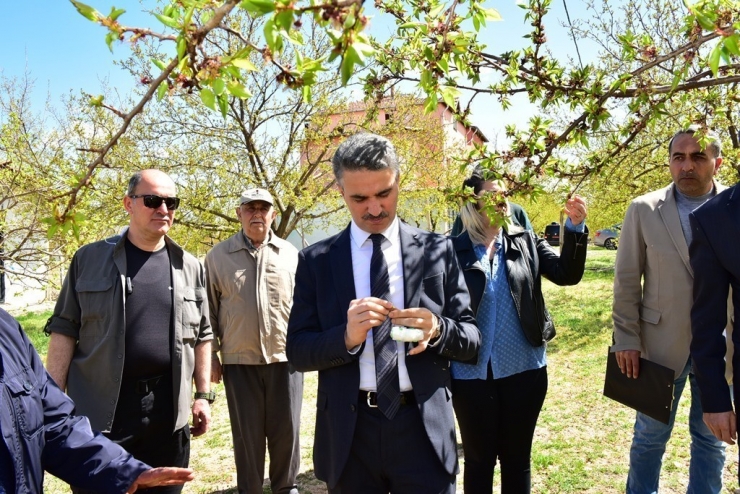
(651, 393)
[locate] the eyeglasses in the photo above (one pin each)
(252, 209)
(154, 202)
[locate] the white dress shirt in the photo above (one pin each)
(362, 252)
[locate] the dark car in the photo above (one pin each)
(552, 233)
(608, 237)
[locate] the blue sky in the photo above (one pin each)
(63, 52)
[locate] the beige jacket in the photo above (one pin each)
(653, 282)
(250, 297)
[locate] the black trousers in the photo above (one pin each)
(393, 456)
(143, 426)
(497, 418)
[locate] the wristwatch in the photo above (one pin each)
(210, 396)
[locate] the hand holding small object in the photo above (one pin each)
(402, 333)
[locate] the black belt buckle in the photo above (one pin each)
(407, 398)
(145, 386)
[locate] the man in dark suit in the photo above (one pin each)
(714, 258)
(384, 420)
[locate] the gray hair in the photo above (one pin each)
(133, 182)
(713, 140)
(365, 151)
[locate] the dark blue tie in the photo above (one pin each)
(386, 350)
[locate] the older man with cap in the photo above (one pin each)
(250, 279)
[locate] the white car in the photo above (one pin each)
(608, 237)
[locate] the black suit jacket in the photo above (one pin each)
(715, 228)
(324, 287)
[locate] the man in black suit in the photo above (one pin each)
(384, 420)
(714, 257)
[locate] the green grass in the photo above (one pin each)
(33, 324)
(582, 439)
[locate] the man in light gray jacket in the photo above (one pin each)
(652, 303)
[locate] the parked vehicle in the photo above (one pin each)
(608, 237)
(552, 233)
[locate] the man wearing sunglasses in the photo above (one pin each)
(130, 332)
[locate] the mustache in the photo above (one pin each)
(368, 216)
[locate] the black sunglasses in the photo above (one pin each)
(153, 202)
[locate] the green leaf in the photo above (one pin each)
(437, 10)
(232, 71)
(443, 64)
(242, 53)
(115, 13)
(351, 57)
(167, 21)
(183, 63)
(359, 50)
(218, 86)
(237, 89)
(182, 47)
(410, 25)
(730, 43)
(705, 22)
(188, 16)
(162, 90)
(476, 22)
(431, 103)
(306, 93)
(258, 7)
(110, 38)
(243, 63)
(271, 35)
(425, 79)
(350, 20)
(676, 80)
(295, 37)
(96, 100)
(284, 20)
(208, 98)
(492, 15)
(346, 69)
(725, 54)
(160, 64)
(223, 104)
(449, 95)
(86, 11)
(714, 59)
(52, 230)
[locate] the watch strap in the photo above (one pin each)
(210, 396)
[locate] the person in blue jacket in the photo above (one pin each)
(40, 432)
